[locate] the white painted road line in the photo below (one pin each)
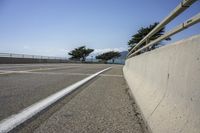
(33, 70)
(21, 66)
(54, 68)
(15, 120)
(53, 73)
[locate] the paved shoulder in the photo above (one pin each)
(103, 106)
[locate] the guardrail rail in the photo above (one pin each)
(185, 4)
(13, 55)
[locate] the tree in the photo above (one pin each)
(142, 32)
(108, 56)
(80, 53)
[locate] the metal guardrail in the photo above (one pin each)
(13, 55)
(177, 11)
(25, 56)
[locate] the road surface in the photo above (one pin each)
(101, 105)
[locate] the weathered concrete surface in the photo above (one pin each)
(103, 106)
(166, 85)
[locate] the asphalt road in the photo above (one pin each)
(23, 85)
(102, 105)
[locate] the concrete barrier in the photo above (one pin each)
(165, 83)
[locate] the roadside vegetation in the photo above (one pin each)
(111, 55)
(141, 33)
(80, 53)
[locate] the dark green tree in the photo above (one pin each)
(108, 56)
(80, 53)
(142, 32)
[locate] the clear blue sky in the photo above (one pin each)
(53, 27)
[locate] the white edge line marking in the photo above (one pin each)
(32, 70)
(15, 120)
